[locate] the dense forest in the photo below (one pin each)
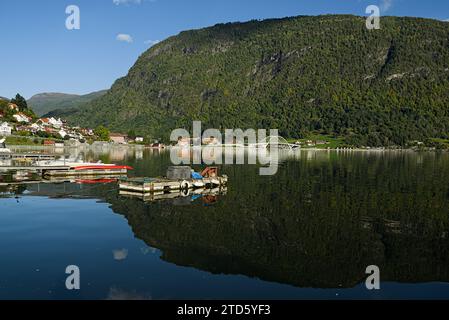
(301, 75)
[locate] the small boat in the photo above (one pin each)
(77, 168)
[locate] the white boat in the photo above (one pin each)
(69, 163)
(79, 166)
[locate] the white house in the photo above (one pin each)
(56, 123)
(139, 139)
(51, 122)
(22, 118)
(62, 133)
(44, 122)
(5, 129)
(35, 127)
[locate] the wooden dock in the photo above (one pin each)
(151, 185)
(68, 172)
(29, 156)
(33, 168)
(173, 194)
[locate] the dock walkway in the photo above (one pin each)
(149, 185)
(31, 156)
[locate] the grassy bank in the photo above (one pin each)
(27, 141)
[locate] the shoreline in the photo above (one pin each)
(382, 149)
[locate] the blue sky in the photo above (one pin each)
(38, 54)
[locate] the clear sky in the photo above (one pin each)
(38, 54)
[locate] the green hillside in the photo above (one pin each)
(49, 102)
(322, 75)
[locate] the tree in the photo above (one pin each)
(102, 133)
(132, 134)
(3, 105)
(20, 102)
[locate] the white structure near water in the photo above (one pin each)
(5, 129)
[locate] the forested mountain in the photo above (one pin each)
(48, 102)
(325, 74)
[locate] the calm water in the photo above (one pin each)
(308, 232)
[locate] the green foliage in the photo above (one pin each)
(440, 144)
(102, 133)
(3, 105)
(20, 102)
(51, 104)
(17, 141)
(325, 74)
(43, 134)
(132, 134)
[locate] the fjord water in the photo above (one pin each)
(308, 232)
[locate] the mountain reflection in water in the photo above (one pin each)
(318, 223)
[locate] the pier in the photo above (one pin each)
(150, 185)
(27, 156)
(32, 168)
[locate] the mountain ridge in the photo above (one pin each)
(43, 103)
(326, 74)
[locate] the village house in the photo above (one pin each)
(56, 123)
(13, 107)
(43, 122)
(62, 133)
(310, 143)
(139, 139)
(35, 127)
(5, 129)
(51, 122)
(183, 142)
(157, 145)
(24, 128)
(22, 118)
(49, 143)
(50, 130)
(86, 132)
(211, 141)
(187, 142)
(118, 138)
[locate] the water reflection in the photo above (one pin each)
(179, 197)
(318, 223)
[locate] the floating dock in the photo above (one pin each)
(90, 171)
(151, 185)
(174, 194)
(26, 156)
(32, 168)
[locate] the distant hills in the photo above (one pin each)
(56, 103)
(322, 74)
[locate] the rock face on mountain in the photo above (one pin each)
(325, 74)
